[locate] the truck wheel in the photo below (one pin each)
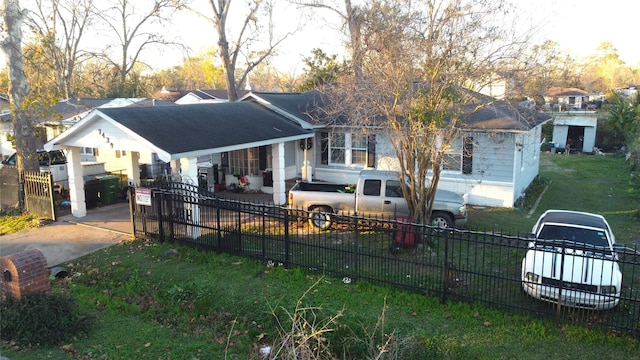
(441, 219)
(320, 218)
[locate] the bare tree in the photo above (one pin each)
(352, 18)
(249, 33)
(18, 90)
(60, 26)
(136, 27)
(416, 62)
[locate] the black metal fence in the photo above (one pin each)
(453, 265)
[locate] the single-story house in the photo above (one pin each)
(246, 136)
(268, 138)
(492, 163)
(571, 99)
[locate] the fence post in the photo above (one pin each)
(131, 196)
(159, 202)
(356, 270)
(445, 268)
(287, 241)
(218, 226)
(264, 232)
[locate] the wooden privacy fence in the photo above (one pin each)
(454, 265)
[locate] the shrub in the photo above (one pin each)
(41, 319)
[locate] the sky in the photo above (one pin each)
(578, 26)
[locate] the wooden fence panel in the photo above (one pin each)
(8, 188)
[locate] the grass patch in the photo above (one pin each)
(10, 224)
(161, 300)
(166, 301)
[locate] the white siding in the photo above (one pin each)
(501, 170)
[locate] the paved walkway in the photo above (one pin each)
(72, 237)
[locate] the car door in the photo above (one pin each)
(369, 199)
(393, 202)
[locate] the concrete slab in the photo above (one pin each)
(70, 237)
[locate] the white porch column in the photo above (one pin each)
(175, 170)
(133, 168)
(76, 183)
(279, 187)
(189, 170)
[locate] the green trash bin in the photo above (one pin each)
(109, 185)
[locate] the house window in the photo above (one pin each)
(347, 149)
(337, 148)
(244, 162)
(452, 159)
(459, 157)
(121, 153)
(358, 149)
(88, 151)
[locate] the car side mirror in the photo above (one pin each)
(618, 247)
(531, 236)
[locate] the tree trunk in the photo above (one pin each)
(26, 158)
(19, 89)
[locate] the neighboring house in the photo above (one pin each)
(498, 86)
(182, 97)
(569, 99)
(630, 91)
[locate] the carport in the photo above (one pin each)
(177, 134)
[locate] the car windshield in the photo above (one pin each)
(576, 237)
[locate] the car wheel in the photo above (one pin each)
(441, 220)
(320, 218)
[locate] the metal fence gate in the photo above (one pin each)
(38, 195)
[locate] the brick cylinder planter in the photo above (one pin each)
(24, 273)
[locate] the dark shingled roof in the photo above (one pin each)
(187, 128)
(505, 116)
(497, 115)
(304, 106)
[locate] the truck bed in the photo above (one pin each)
(324, 187)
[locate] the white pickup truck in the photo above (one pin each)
(378, 194)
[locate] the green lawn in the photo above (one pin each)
(162, 301)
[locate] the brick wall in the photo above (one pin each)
(24, 273)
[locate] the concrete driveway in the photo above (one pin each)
(70, 237)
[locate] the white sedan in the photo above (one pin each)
(572, 261)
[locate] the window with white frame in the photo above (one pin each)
(87, 151)
(337, 148)
(244, 162)
(459, 156)
(358, 149)
(452, 159)
(347, 149)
